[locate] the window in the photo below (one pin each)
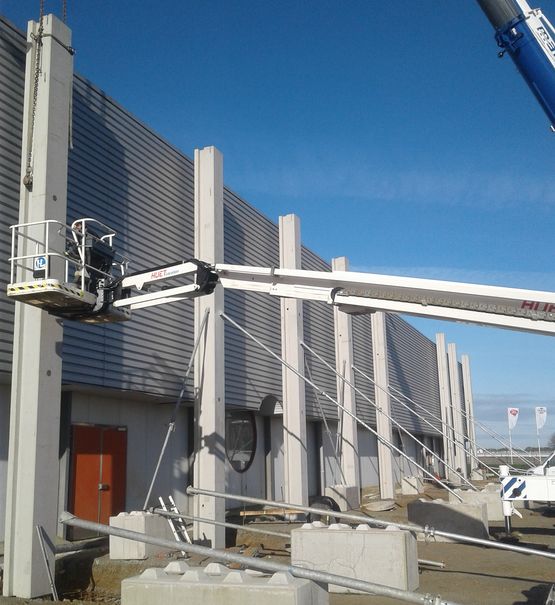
(240, 439)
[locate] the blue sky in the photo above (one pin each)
(391, 129)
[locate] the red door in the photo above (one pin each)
(98, 472)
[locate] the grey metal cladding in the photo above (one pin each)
(413, 371)
(250, 372)
(363, 360)
(319, 335)
(123, 174)
(12, 71)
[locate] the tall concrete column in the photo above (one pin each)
(344, 360)
(32, 490)
(209, 465)
(469, 407)
(383, 401)
(456, 399)
(294, 408)
(445, 404)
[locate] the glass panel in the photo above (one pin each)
(240, 439)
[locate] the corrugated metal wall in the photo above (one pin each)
(413, 371)
(124, 174)
(12, 69)
(121, 173)
(319, 336)
(251, 373)
(363, 360)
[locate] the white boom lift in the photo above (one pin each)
(84, 279)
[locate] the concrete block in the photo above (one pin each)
(346, 496)
(412, 486)
(374, 555)
(477, 474)
(491, 498)
(216, 584)
(141, 522)
(455, 517)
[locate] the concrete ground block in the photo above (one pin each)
(387, 557)
(455, 517)
(490, 497)
(346, 496)
(412, 486)
(144, 523)
(216, 584)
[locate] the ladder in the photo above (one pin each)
(177, 524)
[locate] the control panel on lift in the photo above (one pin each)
(71, 271)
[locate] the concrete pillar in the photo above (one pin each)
(445, 404)
(469, 407)
(294, 410)
(32, 490)
(383, 401)
(456, 404)
(344, 360)
(209, 465)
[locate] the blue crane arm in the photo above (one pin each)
(529, 38)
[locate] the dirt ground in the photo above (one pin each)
(472, 575)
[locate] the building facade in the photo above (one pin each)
(120, 381)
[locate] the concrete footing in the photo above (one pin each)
(144, 523)
(412, 486)
(456, 517)
(216, 584)
(346, 496)
(386, 557)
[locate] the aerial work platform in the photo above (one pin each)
(72, 272)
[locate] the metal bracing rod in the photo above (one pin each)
(254, 530)
(364, 375)
(499, 439)
(173, 419)
(430, 413)
(428, 531)
(328, 431)
(390, 418)
(495, 436)
(257, 563)
(348, 412)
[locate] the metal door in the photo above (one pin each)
(97, 474)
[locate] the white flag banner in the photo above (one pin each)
(512, 416)
(541, 417)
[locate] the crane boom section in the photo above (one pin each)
(512, 308)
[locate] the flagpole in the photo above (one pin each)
(510, 446)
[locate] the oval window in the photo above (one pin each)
(240, 439)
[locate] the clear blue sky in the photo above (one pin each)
(391, 128)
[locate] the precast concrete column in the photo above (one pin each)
(456, 404)
(445, 404)
(469, 406)
(32, 488)
(209, 464)
(344, 360)
(383, 401)
(294, 408)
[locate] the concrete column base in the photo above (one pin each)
(346, 496)
(141, 522)
(455, 517)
